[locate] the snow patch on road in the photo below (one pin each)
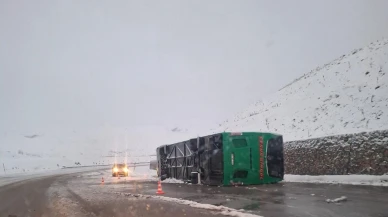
(340, 179)
(337, 200)
(220, 209)
(172, 180)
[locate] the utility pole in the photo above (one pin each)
(4, 169)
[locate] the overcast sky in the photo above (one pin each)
(86, 64)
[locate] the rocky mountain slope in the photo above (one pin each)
(347, 95)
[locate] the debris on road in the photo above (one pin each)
(337, 200)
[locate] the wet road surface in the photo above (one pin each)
(83, 194)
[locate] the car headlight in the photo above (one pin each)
(115, 169)
(125, 169)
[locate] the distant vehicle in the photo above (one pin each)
(120, 170)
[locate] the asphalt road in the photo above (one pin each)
(83, 194)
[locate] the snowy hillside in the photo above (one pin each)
(348, 95)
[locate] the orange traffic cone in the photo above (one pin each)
(102, 180)
(160, 191)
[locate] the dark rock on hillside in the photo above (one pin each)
(361, 153)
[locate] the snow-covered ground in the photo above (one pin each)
(219, 209)
(173, 181)
(11, 178)
(347, 95)
(100, 172)
(25, 163)
(340, 179)
(22, 153)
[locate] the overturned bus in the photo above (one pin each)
(245, 158)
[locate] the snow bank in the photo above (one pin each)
(340, 179)
(173, 181)
(221, 209)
